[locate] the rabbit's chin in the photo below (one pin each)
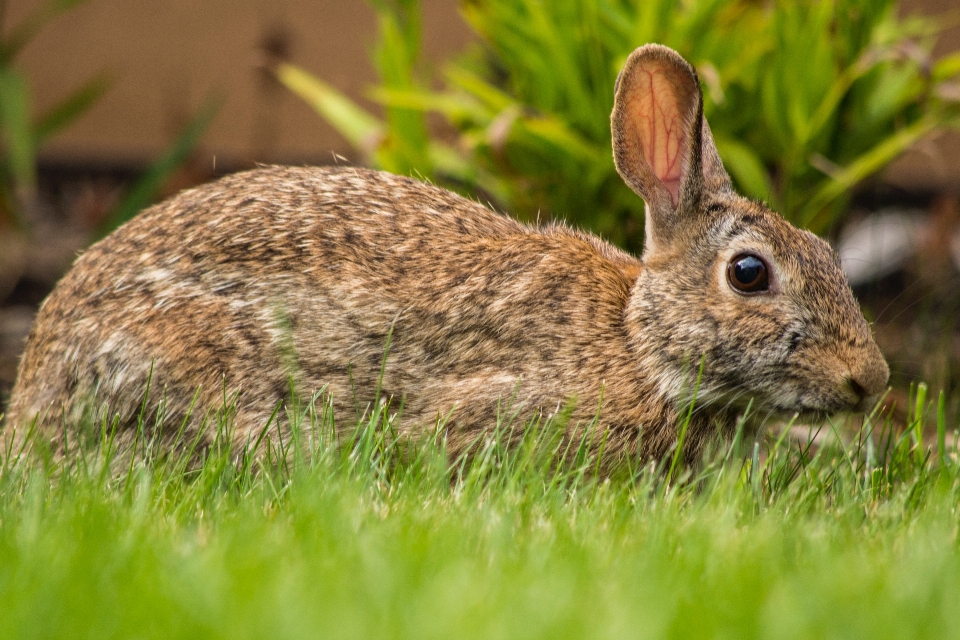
(769, 411)
(809, 416)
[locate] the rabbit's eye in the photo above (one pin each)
(748, 273)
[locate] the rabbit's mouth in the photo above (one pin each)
(824, 409)
(808, 406)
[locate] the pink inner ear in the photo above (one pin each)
(661, 126)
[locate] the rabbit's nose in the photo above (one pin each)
(858, 389)
(868, 377)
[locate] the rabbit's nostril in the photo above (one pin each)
(858, 390)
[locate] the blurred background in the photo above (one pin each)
(842, 115)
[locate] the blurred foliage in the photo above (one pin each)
(21, 136)
(805, 99)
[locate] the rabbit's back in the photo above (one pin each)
(283, 276)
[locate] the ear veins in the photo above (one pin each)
(660, 113)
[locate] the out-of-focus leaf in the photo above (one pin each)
(864, 166)
(451, 163)
(746, 168)
(771, 102)
(899, 86)
(452, 106)
(25, 31)
(946, 67)
(146, 188)
(360, 128)
(490, 95)
(19, 137)
(70, 108)
(554, 131)
(405, 147)
(15, 132)
(828, 106)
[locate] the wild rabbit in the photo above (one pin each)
(281, 274)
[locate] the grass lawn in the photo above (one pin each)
(378, 537)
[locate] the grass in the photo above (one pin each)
(376, 535)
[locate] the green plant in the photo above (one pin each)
(21, 137)
(805, 99)
(400, 142)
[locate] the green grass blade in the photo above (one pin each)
(946, 68)
(493, 97)
(15, 130)
(360, 128)
(864, 166)
(556, 132)
(454, 107)
(746, 168)
(70, 108)
(24, 32)
(942, 429)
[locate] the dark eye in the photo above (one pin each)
(748, 273)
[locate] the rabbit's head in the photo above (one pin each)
(729, 287)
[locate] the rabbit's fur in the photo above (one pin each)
(299, 274)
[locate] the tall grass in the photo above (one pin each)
(374, 533)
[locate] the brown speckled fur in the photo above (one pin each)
(302, 272)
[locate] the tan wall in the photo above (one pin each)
(167, 56)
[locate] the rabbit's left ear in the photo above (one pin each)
(662, 145)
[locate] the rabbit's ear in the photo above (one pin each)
(662, 145)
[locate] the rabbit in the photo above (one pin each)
(284, 274)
